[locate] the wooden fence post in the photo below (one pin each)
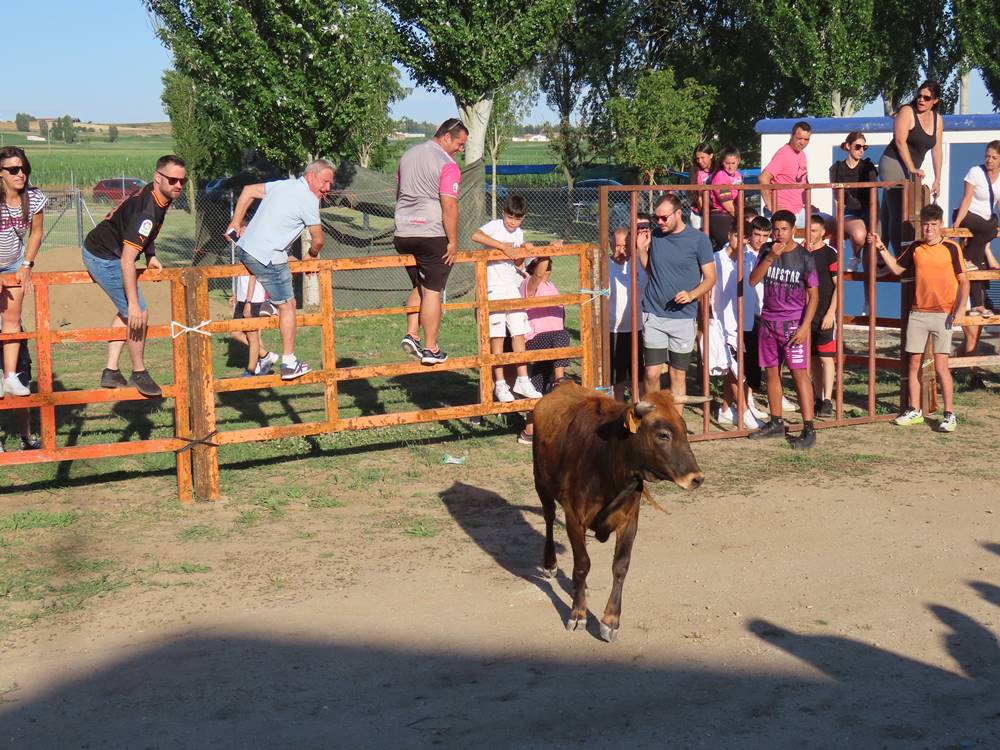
(205, 457)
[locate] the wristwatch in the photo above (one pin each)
(29, 263)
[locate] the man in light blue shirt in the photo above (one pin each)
(287, 207)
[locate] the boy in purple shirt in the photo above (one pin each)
(790, 299)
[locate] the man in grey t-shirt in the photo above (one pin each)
(427, 227)
(287, 207)
(681, 267)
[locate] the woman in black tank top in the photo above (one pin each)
(916, 130)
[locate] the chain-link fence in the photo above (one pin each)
(357, 221)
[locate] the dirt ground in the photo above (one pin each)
(845, 599)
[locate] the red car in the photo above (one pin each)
(117, 189)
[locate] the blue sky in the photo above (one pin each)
(106, 66)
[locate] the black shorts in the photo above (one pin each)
(621, 357)
(254, 310)
(823, 342)
(431, 272)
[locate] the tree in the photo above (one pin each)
(471, 48)
(978, 26)
(290, 78)
(370, 137)
(67, 129)
(112, 133)
(832, 54)
(658, 127)
(510, 105)
(22, 122)
(43, 128)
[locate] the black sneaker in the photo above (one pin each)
(113, 379)
(144, 383)
(805, 440)
(771, 429)
(825, 409)
(411, 346)
(30, 443)
(427, 357)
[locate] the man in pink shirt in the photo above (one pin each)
(427, 227)
(787, 166)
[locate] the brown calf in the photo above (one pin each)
(592, 454)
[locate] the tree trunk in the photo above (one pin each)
(364, 155)
(842, 107)
(493, 187)
(476, 117)
(963, 93)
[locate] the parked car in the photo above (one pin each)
(502, 192)
(586, 191)
(117, 189)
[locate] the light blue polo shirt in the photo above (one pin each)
(288, 207)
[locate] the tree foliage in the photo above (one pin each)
(658, 126)
(112, 133)
(978, 26)
(63, 130)
(370, 138)
(511, 104)
(471, 48)
(832, 52)
(43, 128)
(22, 121)
(290, 78)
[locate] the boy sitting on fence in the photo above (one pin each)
(503, 280)
(941, 288)
(790, 298)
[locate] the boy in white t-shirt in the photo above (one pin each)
(620, 308)
(250, 301)
(503, 281)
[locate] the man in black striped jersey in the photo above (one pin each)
(110, 252)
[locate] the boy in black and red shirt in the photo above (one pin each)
(824, 344)
(110, 252)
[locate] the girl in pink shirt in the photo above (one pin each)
(723, 200)
(547, 332)
(702, 167)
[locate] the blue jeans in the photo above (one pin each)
(274, 277)
(13, 267)
(108, 275)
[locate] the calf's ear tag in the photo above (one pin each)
(631, 422)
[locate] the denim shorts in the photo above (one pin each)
(108, 275)
(274, 277)
(13, 267)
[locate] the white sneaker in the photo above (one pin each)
(523, 387)
(787, 405)
(501, 392)
(725, 416)
(854, 265)
(750, 421)
(755, 409)
(15, 387)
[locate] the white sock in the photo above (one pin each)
(289, 360)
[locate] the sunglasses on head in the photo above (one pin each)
(174, 180)
(15, 170)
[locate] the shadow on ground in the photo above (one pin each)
(243, 692)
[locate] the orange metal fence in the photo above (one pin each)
(912, 197)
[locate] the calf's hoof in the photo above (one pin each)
(551, 572)
(608, 633)
(576, 623)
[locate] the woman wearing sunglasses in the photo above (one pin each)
(21, 209)
(857, 201)
(917, 128)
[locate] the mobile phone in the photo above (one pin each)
(231, 234)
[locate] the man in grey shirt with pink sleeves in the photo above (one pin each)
(427, 227)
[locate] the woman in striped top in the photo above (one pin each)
(21, 209)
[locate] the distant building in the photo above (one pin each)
(35, 138)
(400, 136)
(531, 138)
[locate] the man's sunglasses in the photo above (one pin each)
(664, 217)
(15, 170)
(173, 180)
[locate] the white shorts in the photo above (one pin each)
(515, 321)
